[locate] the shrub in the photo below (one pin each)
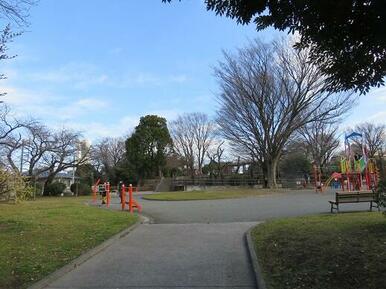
(81, 189)
(13, 187)
(54, 189)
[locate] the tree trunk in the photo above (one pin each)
(48, 181)
(271, 166)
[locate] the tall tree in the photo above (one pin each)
(320, 140)
(87, 173)
(346, 38)
(374, 137)
(216, 156)
(192, 134)
(37, 143)
(267, 92)
(106, 155)
(146, 147)
(62, 155)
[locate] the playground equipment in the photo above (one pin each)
(104, 189)
(358, 171)
(95, 188)
(124, 192)
(131, 203)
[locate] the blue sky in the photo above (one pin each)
(97, 66)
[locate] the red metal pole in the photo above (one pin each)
(131, 198)
(107, 186)
(123, 197)
(94, 190)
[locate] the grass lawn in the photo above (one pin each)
(344, 251)
(210, 195)
(40, 236)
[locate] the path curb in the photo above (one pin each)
(46, 281)
(255, 264)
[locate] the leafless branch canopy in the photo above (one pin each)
(374, 137)
(267, 92)
(107, 153)
(16, 11)
(321, 141)
(192, 135)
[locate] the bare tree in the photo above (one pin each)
(11, 139)
(374, 137)
(267, 92)
(192, 135)
(107, 154)
(182, 135)
(8, 124)
(62, 155)
(216, 155)
(13, 144)
(320, 140)
(16, 11)
(38, 142)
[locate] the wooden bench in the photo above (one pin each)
(355, 197)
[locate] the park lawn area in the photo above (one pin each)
(38, 237)
(210, 194)
(334, 251)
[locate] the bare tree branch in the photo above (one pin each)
(321, 141)
(374, 137)
(268, 91)
(192, 135)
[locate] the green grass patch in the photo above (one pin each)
(38, 237)
(341, 251)
(210, 194)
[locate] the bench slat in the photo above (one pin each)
(356, 197)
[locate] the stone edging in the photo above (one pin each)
(46, 281)
(255, 264)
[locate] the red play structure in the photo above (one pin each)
(131, 203)
(358, 172)
(125, 193)
(104, 190)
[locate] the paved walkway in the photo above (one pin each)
(194, 244)
(250, 209)
(169, 256)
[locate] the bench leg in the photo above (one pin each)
(373, 206)
(378, 206)
(334, 208)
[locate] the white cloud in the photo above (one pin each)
(376, 95)
(83, 76)
(78, 75)
(43, 105)
(181, 78)
(379, 117)
(120, 128)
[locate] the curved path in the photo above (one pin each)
(190, 244)
(249, 209)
